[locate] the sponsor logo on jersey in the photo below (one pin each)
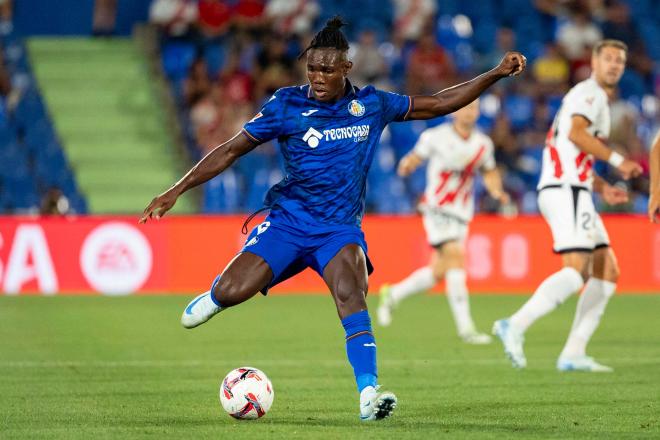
(358, 133)
(356, 108)
(312, 137)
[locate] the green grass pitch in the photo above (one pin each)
(95, 367)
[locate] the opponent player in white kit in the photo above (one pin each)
(565, 200)
(456, 151)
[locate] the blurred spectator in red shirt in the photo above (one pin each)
(430, 68)
(214, 17)
(238, 85)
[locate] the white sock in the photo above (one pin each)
(590, 308)
(552, 292)
(457, 295)
(367, 394)
(418, 281)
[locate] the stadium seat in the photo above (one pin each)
(177, 59)
(519, 109)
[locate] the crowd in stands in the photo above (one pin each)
(35, 176)
(225, 57)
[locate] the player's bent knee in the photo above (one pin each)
(350, 301)
(229, 292)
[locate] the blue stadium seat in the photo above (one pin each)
(177, 59)
(215, 56)
(223, 194)
(519, 109)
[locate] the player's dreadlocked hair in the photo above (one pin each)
(330, 36)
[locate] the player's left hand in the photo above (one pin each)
(614, 195)
(512, 64)
(654, 207)
(159, 205)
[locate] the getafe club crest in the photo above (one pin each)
(356, 108)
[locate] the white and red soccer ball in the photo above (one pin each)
(246, 393)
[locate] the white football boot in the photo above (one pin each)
(513, 342)
(385, 306)
(582, 363)
(199, 310)
(376, 405)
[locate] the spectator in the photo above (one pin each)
(174, 17)
(412, 16)
(430, 68)
(289, 17)
(275, 67)
(198, 82)
(551, 71)
(214, 17)
(505, 41)
(618, 25)
(369, 66)
(578, 35)
(238, 86)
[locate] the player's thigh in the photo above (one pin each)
(571, 216)
(578, 260)
(346, 277)
(605, 265)
(453, 254)
(243, 277)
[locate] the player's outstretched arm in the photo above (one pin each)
(219, 159)
(654, 188)
(592, 145)
(451, 99)
(493, 184)
(408, 164)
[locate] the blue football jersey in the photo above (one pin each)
(327, 148)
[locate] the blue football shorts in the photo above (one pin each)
(289, 249)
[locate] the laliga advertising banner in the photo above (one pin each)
(116, 256)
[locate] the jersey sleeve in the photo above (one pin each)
(395, 107)
(587, 103)
(267, 124)
(488, 161)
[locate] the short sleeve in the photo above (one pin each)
(586, 103)
(395, 107)
(424, 146)
(488, 161)
(267, 124)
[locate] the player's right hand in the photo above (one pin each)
(630, 169)
(408, 163)
(614, 195)
(654, 207)
(159, 205)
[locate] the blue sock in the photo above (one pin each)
(213, 298)
(361, 348)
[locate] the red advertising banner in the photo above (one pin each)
(116, 256)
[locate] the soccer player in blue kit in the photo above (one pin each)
(328, 131)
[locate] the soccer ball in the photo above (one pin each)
(246, 393)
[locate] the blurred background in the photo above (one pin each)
(105, 103)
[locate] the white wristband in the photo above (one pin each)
(615, 159)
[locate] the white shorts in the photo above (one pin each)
(441, 228)
(575, 224)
